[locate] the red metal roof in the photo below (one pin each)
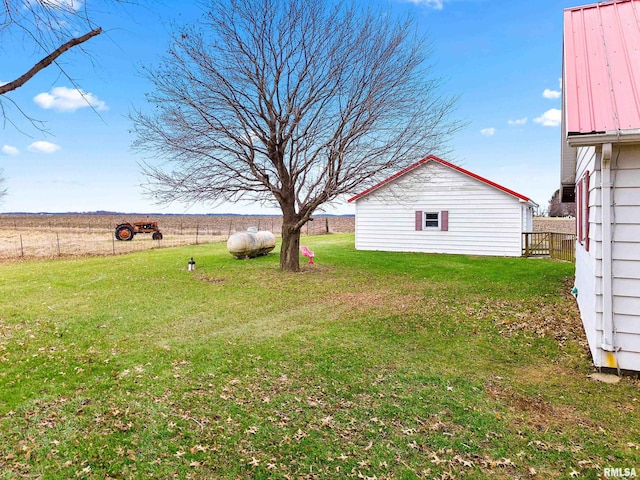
(601, 76)
(433, 158)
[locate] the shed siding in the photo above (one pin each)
(625, 179)
(482, 220)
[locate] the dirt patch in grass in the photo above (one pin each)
(536, 412)
(362, 301)
(213, 280)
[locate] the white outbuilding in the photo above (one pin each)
(435, 206)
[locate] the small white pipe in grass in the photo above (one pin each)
(192, 265)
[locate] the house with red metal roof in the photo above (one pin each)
(600, 170)
(437, 207)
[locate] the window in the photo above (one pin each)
(432, 220)
(582, 210)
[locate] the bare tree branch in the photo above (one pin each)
(3, 191)
(45, 26)
(48, 60)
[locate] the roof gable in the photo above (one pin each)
(433, 158)
(601, 67)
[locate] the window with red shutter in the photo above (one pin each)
(432, 220)
(582, 210)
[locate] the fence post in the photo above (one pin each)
(197, 233)
(21, 247)
(58, 242)
(526, 244)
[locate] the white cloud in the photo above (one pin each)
(518, 121)
(9, 150)
(550, 118)
(62, 5)
(552, 94)
(65, 99)
(488, 132)
(43, 147)
(435, 4)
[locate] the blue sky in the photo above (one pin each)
(503, 58)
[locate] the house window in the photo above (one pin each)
(582, 210)
(432, 219)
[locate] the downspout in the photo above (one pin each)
(607, 273)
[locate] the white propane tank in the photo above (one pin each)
(252, 243)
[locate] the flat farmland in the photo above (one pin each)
(62, 235)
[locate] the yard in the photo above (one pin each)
(364, 365)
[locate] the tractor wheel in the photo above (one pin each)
(157, 236)
(124, 232)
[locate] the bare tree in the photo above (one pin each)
(293, 103)
(559, 209)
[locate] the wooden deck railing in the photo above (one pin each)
(560, 246)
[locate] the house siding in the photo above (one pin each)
(601, 106)
(586, 261)
(625, 248)
(482, 220)
(625, 181)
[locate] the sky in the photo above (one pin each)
(502, 58)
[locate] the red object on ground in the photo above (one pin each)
(307, 253)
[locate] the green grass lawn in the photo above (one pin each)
(364, 365)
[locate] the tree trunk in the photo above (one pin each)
(290, 248)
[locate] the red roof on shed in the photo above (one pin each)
(601, 72)
(433, 158)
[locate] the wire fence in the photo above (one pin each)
(51, 236)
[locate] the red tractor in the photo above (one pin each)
(126, 231)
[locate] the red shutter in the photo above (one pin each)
(418, 220)
(444, 220)
(579, 210)
(585, 195)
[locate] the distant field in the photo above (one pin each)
(48, 236)
(554, 224)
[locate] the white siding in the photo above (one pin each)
(527, 217)
(483, 220)
(585, 283)
(587, 262)
(625, 180)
